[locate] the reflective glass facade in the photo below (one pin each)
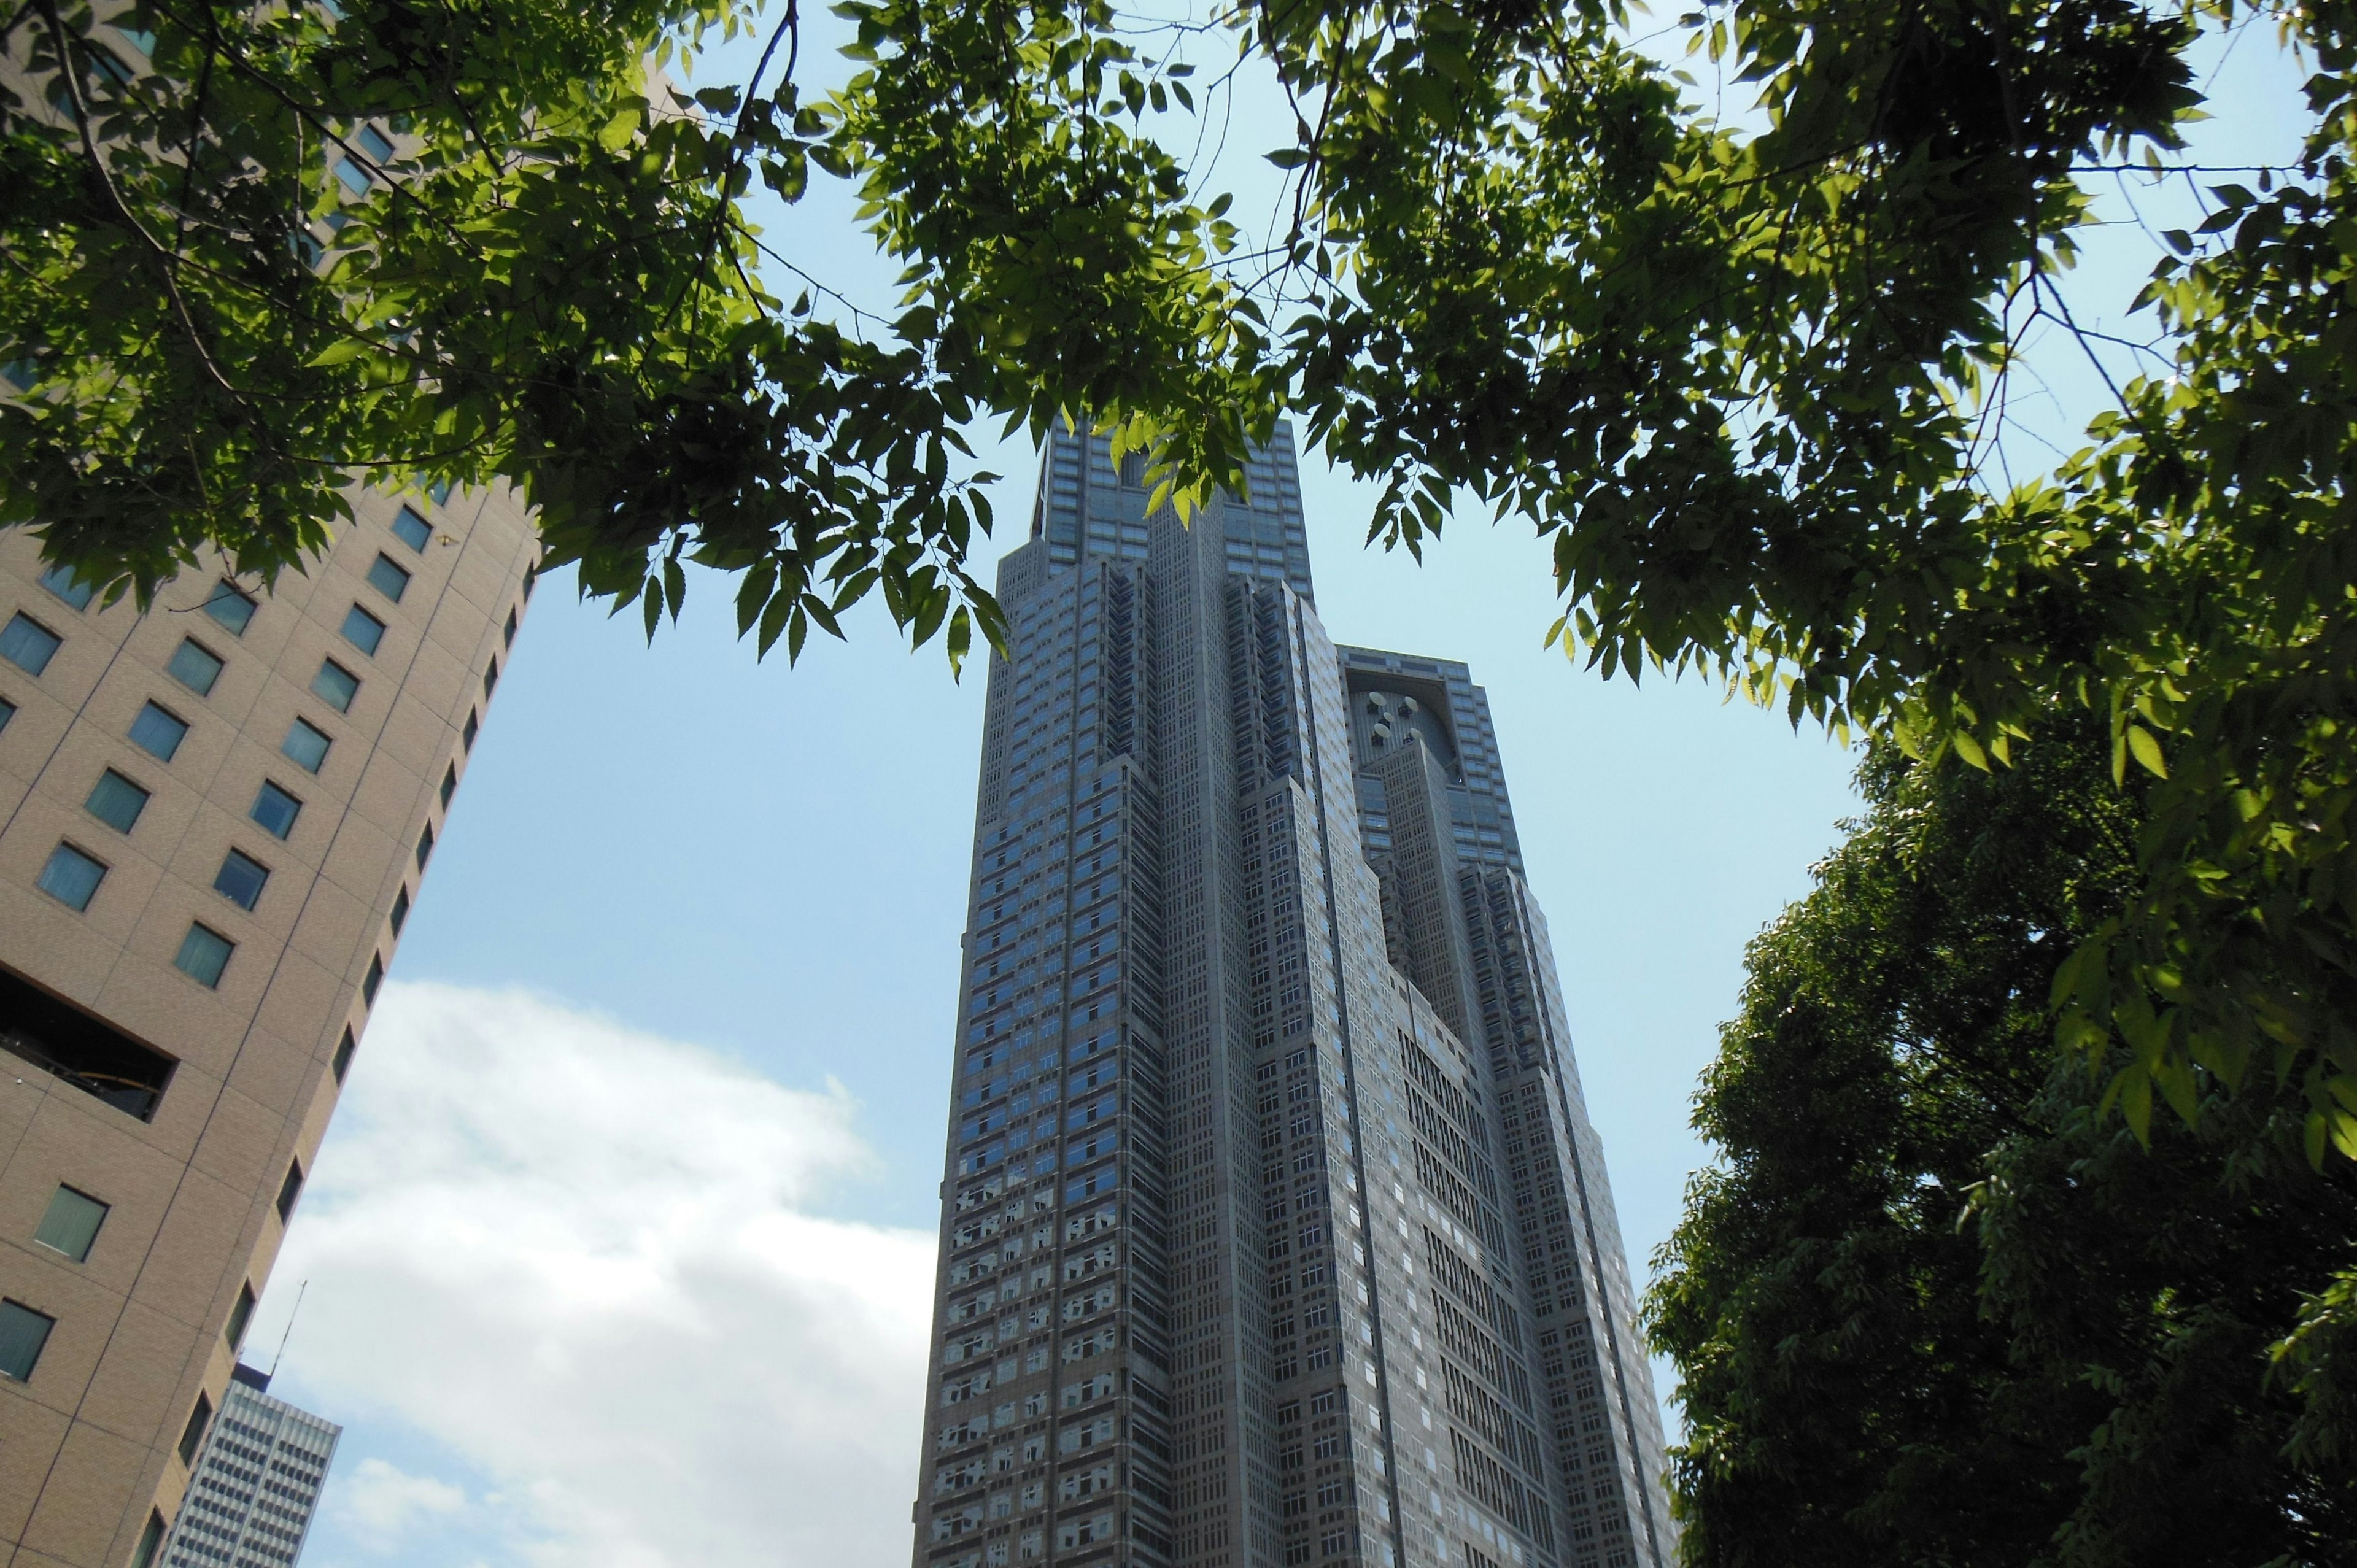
(1273, 1230)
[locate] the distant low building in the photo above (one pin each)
(252, 1492)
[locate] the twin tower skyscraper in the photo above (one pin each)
(1273, 1228)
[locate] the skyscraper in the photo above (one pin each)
(256, 1483)
(214, 817)
(1273, 1228)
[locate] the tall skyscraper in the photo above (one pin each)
(255, 1484)
(214, 816)
(1273, 1228)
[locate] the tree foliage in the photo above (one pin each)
(1929, 1306)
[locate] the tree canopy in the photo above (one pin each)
(1740, 370)
(1928, 1308)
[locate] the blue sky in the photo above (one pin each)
(684, 890)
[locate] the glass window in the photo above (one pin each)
(60, 579)
(490, 677)
(230, 607)
(240, 879)
(7, 712)
(344, 1050)
(195, 667)
(362, 630)
(335, 685)
(388, 577)
(374, 143)
(192, 1435)
(23, 1332)
(374, 978)
(151, 1540)
(158, 732)
(117, 802)
(411, 529)
(354, 178)
(449, 784)
(72, 876)
(204, 953)
(400, 910)
(466, 735)
(290, 1189)
(240, 1316)
(71, 1224)
(306, 745)
(275, 810)
(424, 845)
(28, 645)
(508, 636)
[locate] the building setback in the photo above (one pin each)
(214, 817)
(255, 1484)
(1273, 1228)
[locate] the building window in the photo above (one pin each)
(61, 580)
(411, 529)
(204, 954)
(7, 712)
(240, 879)
(388, 577)
(374, 979)
(72, 876)
(192, 1436)
(231, 608)
(449, 784)
(151, 1540)
(239, 1315)
(424, 845)
(158, 732)
(71, 1223)
(490, 677)
(353, 177)
(28, 645)
(115, 800)
(335, 685)
(362, 630)
(275, 810)
(23, 1333)
(508, 636)
(344, 1050)
(195, 666)
(306, 745)
(400, 910)
(466, 735)
(289, 1190)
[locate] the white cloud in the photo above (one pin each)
(387, 1501)
(583, 1259)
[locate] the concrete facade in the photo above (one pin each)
(1273, 1230)
(187, 1103)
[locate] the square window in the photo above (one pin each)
(204, 954)
(117, 802)
(72, 876)
(388, 577)
(289, 1190)
(23, 1332)
(61, 580)
(363, 630)
(71, 1223)
(306, 745)
(440, 490)
(275, 810)
(374, 143)
(411, 529)
(344, 1050)
(158, 732)
(242, 879)
(399, 910)
(335, 685)
(353, 177)
(195, 667)
(28, 645)
(231, 608)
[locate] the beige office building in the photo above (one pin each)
(213, 818)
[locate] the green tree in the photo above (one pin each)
(1929, 1306)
